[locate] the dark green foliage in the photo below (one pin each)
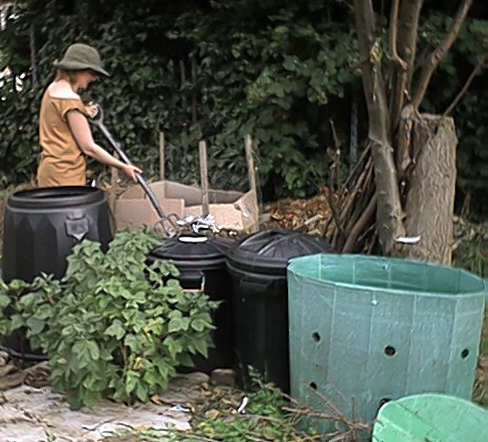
(279, 78)
(19, 146)
(217, 70)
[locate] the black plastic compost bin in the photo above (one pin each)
(41, 227)
(257, 266)
(201, 262)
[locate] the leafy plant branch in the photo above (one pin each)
(115, 326)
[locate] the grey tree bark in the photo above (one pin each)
(414, 155)
(429, 204)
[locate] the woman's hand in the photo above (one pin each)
(131, 171)
(91, 110)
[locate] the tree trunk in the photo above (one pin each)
(388, 206)
(429, 205)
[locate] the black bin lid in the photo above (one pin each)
(268, 251)
(190, 251)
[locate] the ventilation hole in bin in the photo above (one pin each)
(464, 353)
(317, 366)
(390, 351)
(316, 337)
(313, 385)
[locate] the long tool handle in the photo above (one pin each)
(117, 147)
(202, 147)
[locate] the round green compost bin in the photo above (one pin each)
(431, 417)
(366, 330)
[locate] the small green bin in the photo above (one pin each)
(366, 330)
(431, 417)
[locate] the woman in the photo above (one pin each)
(64, 132)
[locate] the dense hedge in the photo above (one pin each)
(218, 70)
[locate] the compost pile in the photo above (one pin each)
(312, 216)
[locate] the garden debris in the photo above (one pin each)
(307, 215)
(481, 384)
(480, 394)
(223, 376)
(14, 373)
(241, 409)
(30, 414)
(470, 248)
(7, 369)
(12, 380)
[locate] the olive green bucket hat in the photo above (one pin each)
(80, 57)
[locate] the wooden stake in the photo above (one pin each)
(162, 159)
(204, 176)
(182, 83)
(114, 182)
(251, 173)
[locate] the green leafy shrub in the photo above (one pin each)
(115, 326)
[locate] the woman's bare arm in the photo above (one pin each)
(80, 128)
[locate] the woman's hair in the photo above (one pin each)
(69, 76)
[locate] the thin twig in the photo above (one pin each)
(346, 196)
(362, 184)
(360, 226)
(438, 54)
(358, 166)
(463, 90)
(350, 211)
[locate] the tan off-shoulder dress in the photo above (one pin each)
(62, 161)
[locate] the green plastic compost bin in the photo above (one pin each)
(366, 330)
(431, 417)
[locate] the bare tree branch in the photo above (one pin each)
(372, 77)
(439, 53)
(393, 36)
(406, 44)
(463, 90)
(409, 18)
